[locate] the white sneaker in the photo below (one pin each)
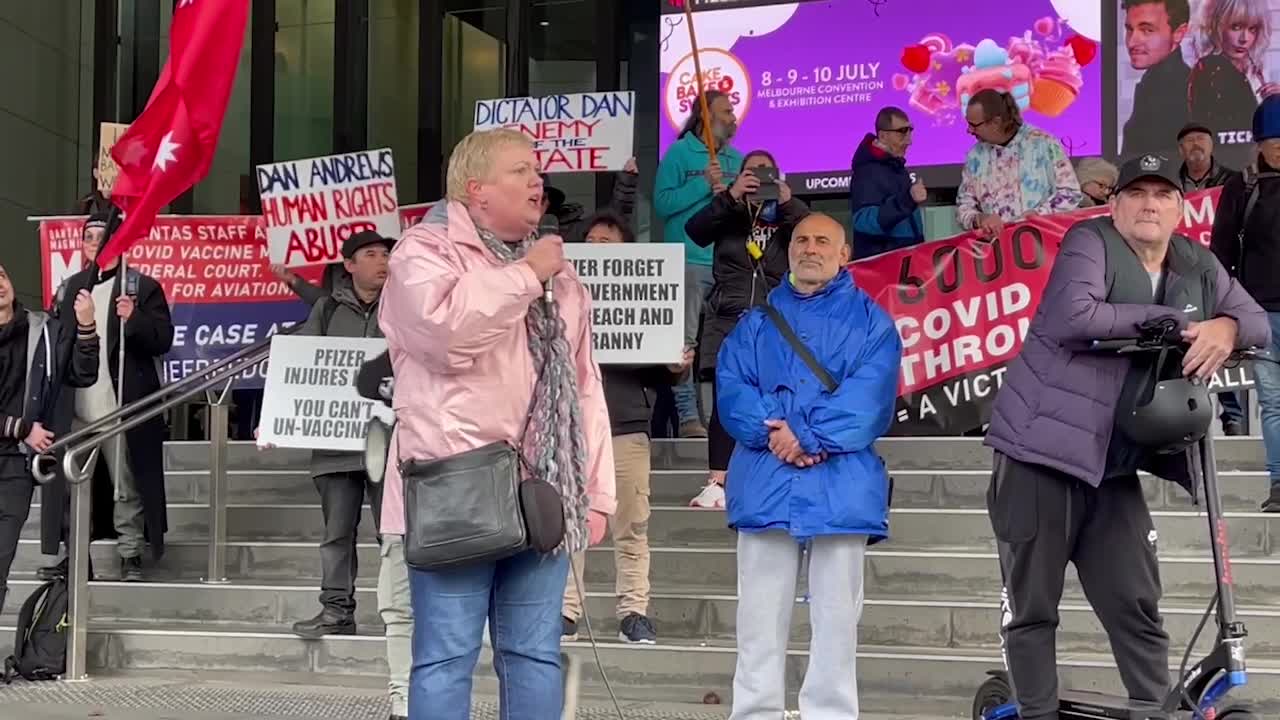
(711, 497)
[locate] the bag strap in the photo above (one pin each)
(326, 313)
(800, 348)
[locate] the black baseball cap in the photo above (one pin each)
(1194, 127)
(1148, 167)
(364, 238)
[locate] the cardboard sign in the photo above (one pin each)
(637, 300)
(310, 399)
(585, 132)
(108, 134)
(311, 206)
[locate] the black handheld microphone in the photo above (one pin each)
(548, 225)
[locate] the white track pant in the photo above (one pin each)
(767, 567)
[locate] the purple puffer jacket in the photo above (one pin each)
(1056, 407)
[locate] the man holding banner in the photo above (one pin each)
(1065, 484)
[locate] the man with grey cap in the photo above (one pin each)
(1065, 486)
(1202, 171)
(351, 310)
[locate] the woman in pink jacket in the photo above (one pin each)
(464, 318)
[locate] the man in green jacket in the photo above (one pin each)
(688, 177)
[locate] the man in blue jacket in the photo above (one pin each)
(805, 470)
(688, 178)
(883, 199)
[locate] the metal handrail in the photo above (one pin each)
(138, 412)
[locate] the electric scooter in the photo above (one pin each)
(1201, 692)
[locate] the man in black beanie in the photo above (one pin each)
(137, 303)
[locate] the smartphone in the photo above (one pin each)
(768, 183)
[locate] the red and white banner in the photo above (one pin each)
(215, 274)
(963, 306)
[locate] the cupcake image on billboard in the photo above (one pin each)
(1041, 69)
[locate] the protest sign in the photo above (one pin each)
(411, 215)
(963, 306)
(108, 134)
(311, 206)
(310, 399)
(584, 132)
(637, 300)
(213, 270)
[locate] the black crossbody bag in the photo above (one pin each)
(476, 507)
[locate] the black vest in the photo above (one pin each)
(1192, 291)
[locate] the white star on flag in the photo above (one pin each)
(164, 155)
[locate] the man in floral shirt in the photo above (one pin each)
(1013, 171)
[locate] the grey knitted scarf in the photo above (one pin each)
(555, 433)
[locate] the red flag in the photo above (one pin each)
(170, 146)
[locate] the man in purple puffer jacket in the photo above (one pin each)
(1065, 486)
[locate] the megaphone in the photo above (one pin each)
(377, 443)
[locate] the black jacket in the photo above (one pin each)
(627, 394)
(1260, 273)
(1218, 176)
(727, 224)
(1222, 98)
(55, 357)
(1159, 108)
(148, 335)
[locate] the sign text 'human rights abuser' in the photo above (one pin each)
(312, 206)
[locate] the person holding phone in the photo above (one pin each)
(748, 229)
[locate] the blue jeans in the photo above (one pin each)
(520, 597)
(1232, 410)
(1267, 376)
(698, 282)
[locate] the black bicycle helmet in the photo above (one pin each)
(1177, 415)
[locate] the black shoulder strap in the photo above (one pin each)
(800, 348)
(326, 313)
(1251, 178)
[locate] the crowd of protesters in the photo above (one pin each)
(486, 353)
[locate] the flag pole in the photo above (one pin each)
(708, 138)
(117, 463)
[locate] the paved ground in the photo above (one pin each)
(172, 696)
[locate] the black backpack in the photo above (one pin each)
(40, 646)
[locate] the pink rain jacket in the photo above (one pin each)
(454, 318)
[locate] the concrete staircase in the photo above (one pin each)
(929, 630)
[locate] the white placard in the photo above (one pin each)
(310, 399)
(311, 206)
(583, 132)
(637, 300)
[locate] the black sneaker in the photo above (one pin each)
(1272, 504)
(1233, 428)
(638, 629)
(568, 629)
(328, 622)
(131, 569)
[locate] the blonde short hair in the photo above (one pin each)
(472, 158)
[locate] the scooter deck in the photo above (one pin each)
(1078, 705)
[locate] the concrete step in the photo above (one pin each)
(900, 571)
(905, 453)
(686, 672)
(934, 622)
(1251, 534)
(1241, 490)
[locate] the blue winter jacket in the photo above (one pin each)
(885, 216)
(759, 377)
